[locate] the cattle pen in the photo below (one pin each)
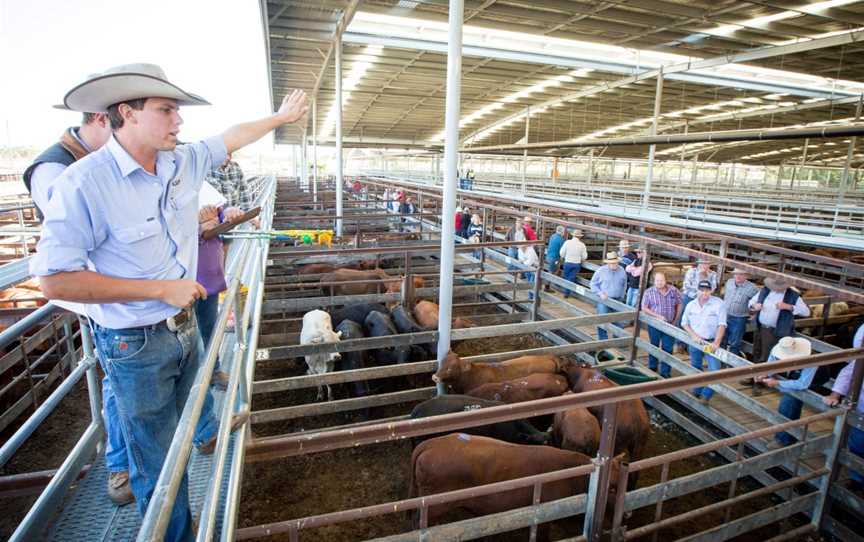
(723, 134)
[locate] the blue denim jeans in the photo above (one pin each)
(571, 271)
(207, 312)
(667, 343)
(696, 357)
(856, 446)
(603, 309)
(151, 370)
(116, 459)
(632, 296)
(791, 408)
(513, 254)
(735, 327)
(529, 278)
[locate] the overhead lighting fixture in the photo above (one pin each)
(358, 70)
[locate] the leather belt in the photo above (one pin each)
(176, 322)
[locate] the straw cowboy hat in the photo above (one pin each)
(739, 271)
(791, 347)
(611, 257)
(124, 83)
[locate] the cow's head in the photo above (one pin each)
(529, 435)
(462, 323)
(418, 282)
(452, 367)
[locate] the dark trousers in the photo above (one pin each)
(764, 340)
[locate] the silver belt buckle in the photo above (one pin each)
(177, 321)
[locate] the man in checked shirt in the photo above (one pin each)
(228, 179)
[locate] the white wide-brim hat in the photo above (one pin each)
(125, 83)
(791, 347)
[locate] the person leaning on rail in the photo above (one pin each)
(131, 210)
(799, 380)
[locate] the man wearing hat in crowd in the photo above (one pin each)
(839, 390)
(608, 282)
(736, 296)
(574, 252)
(530, 234)
(775, 307)
(693, 277)
(553, 252)
(800, 380)
(130, 209)
(515, 233)
(705, 321)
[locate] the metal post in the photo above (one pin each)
(658, 97)
(315, 150)
(845, 177)
(525, 152)
(339, 181)
(598, 487)
(535, 306)
(643, 281)
(304, 165)
(448, 204)
(590, 166)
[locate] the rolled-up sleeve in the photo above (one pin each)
(721, 316)
(205, 156)
(68, 232)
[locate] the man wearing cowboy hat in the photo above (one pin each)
(775, 307)
(130, 209)
(705, 321)
(790, 406)
(530, 234)
(553, 252)
(736, 296)
(574, 252)
(608, 282)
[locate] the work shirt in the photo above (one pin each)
(769, 313)
(737, 296)
(692, 278)
(47, 173)
(574, 251)
(228, 180)
(612, 283)
(553, 250)
(705, 319)
(844, 379)
(528, 257)
(128, 223)
(665, 304)
(805, 378)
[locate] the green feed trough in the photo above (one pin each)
(627, 375)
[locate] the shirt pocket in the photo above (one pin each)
(146, 231)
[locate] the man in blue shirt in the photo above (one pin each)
(553, 252)
(800, 380)
(130, 211)
(608, 282)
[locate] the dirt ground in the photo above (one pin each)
(327, 482)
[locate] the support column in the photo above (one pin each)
(658, 97)
(525, 152)
(800, 168)
(590, 165)
(448, 203)
(315, 150)
(845, 177)
(339, 181)
(304, 165)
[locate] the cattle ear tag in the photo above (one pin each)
(463, 436)
(124, 345)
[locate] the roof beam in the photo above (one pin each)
(756, 54)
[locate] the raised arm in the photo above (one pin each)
(293, 108)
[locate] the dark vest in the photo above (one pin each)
(785, 321)
(56, 153)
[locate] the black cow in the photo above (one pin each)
(353, 360)
(357, 312)
(515, 431)
(379, 324)
(405, 323)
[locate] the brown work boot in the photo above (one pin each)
(220, 380)
(237, 420)
(119, 489)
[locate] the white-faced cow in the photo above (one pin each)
(318, 329)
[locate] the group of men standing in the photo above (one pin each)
(119, 245)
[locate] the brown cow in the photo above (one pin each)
(390, 284)
(318, 268)
(633, 423)
(462, 375)
(25, 294)
(577, 430)
(426, 314)
(459, 461)
(534, 386)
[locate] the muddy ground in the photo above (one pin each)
(343, 479)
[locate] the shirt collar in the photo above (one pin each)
(124, 160)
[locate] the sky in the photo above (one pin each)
(213, 48)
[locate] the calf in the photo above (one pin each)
(516, 431)
(460, 461)
(632, 420)
(462, 375)
(357, 312)
(349, 329)
(577, 430)
(318, 268)
(317, 329)
(426, 314)
(533, 386)
(390, 284)
(379, 324)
